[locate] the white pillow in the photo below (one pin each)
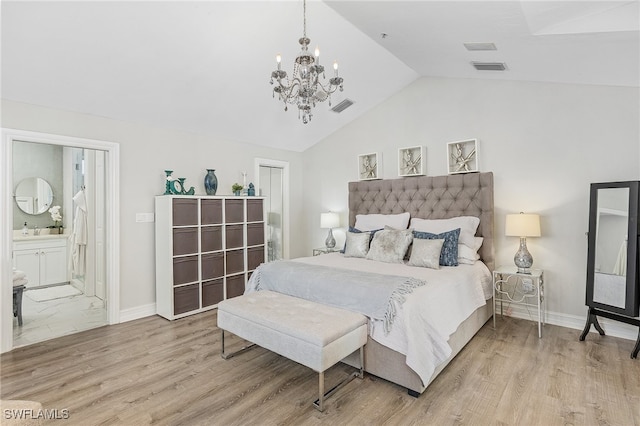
(467, 224)
(470, 255)
(372, 222)
(426, 253)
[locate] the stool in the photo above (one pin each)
(17, 302)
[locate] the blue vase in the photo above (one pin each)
(211, 182)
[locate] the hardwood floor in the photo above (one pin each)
(152, 371)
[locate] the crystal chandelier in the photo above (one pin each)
(305, 88)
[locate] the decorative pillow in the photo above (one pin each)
(469, 255)
(369, 222)
(357, 244)
(357, 231)
(426, 253)
(390, 245)
(468, 226)
(449, 253)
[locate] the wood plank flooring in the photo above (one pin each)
(153, 371)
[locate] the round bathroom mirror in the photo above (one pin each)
(34, 195)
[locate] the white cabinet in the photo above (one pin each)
(43, 260)
(206, 249)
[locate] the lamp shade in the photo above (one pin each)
(522, 225)
(329, 220)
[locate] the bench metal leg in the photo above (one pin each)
(319, 403)
(232, 354)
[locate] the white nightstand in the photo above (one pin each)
(325, 250)
(518, 288)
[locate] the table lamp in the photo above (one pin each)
(329, 220)
(523, 225)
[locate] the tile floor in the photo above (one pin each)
(54, 318)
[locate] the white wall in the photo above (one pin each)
(145, 153)
(545, 144)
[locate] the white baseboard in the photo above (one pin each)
(137, 312)
(611, 328)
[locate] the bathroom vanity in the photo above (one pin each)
(42, 257)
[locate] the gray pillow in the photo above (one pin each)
(390, 245)
(426, 253)
(357, 244)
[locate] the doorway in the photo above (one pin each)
(105, 156)
(63, 272)
(273, 184)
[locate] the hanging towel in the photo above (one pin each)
(79, 236)
(18, 275)
(620, 267)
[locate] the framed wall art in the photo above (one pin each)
(411, 161)
(462, 156)
(369, 166)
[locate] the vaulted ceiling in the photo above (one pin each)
(204, 66)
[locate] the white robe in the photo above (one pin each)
(79, 236)
(620, 267)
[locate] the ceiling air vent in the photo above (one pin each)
(342, 105)
(489, 66)
(480, 46)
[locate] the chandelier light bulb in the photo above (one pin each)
(278, 60)
(335, 67)
(317, 54)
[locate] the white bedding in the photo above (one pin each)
(430, 314)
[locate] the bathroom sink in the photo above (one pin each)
(43, 236)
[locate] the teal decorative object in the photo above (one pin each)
(252, 190)
(167, 185)
(175, 186)
(211, 182)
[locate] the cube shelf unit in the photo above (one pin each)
(206, 249)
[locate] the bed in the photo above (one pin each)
(390, 354)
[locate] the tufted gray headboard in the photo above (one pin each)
(431, 197)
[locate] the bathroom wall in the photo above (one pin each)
(43, 161)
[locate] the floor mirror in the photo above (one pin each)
(613, 286)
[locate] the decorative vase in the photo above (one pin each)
(211, 182)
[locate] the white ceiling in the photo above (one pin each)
(204, 67)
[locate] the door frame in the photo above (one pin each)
(284, 165)
(112, 200)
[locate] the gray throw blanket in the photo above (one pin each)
(372, 295)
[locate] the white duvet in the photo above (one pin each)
(430, 314)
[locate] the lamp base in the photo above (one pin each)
(523, 258)
(330, 242)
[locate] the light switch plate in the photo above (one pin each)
(145, 217)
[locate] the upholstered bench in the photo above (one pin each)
(314, 335)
